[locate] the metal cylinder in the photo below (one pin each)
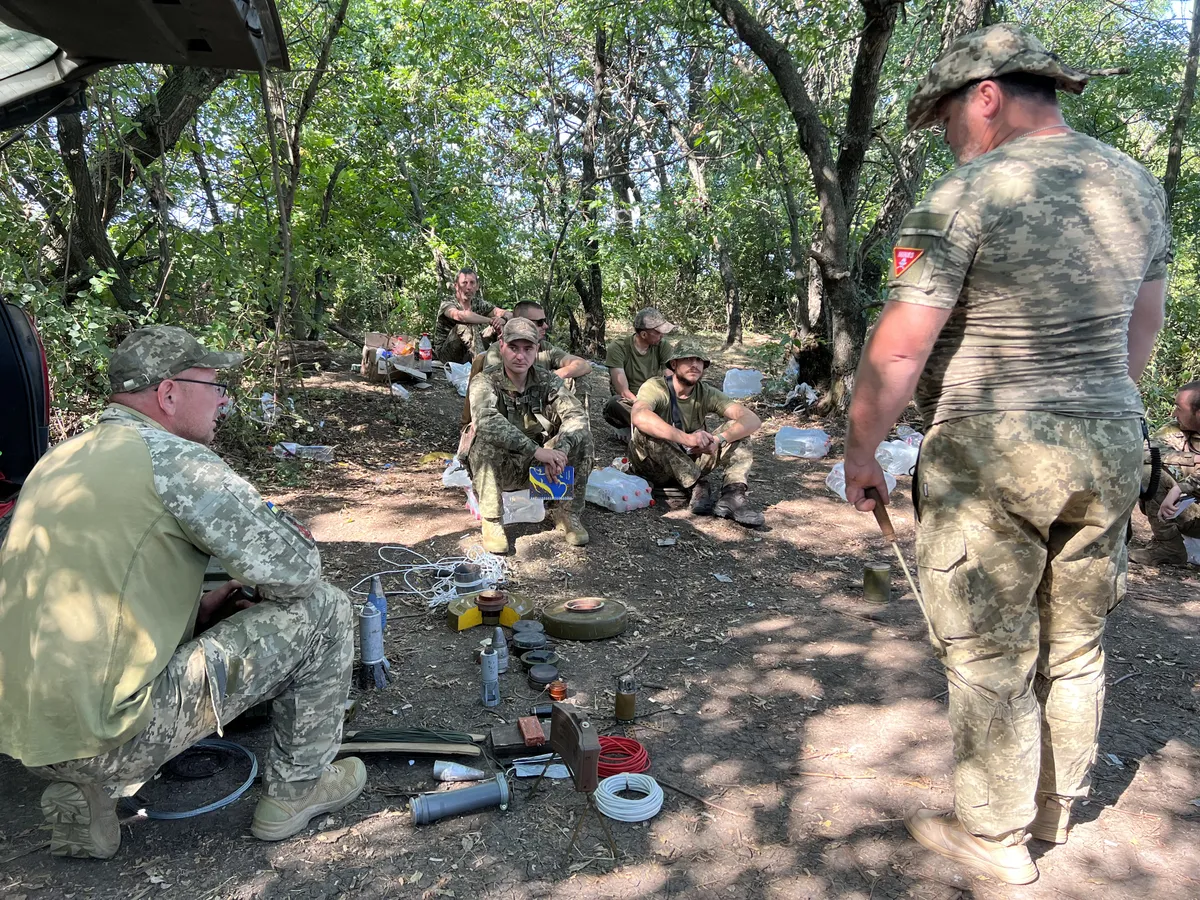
(626, 704)
(500, 645)
(489, 674)
(378, 599)
(427, 808)
(877, 582)
(370, 634)
(443, 770)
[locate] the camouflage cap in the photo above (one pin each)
(521, 329)
(155, 353)
(988, 53)
(650, 319)
(687, 348)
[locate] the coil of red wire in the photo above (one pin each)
(621, 754)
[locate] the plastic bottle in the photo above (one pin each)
(618, 491)
(289, 450)
(807, 443)
(399, 392)
(382, 363)
(425, 349)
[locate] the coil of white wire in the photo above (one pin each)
(433, 581)
(622, 810)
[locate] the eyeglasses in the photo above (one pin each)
(222, 389)
(542, 321)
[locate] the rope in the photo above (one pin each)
(616, 807)
(620, 755)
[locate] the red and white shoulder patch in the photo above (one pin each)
(902, 258)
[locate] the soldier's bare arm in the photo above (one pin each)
(887, 375)
(649, 423)
(620, 384)
(745, 423)
(1145, 323)
(573, 367)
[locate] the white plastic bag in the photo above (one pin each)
(519, 507)
(836, 481)
(455, 475)
(290, 450)
(400, 393)
(909, 435)
(741, 383)
(806, 443)
(618, 491)
(896, 457)
(792, 369)
(1192, 545)
(459, 374)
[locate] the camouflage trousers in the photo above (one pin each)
(1186, 524)
(617, 412)
(494, 471)
(1021, 552)
(460, 345)
(664, 464)
(298, 654)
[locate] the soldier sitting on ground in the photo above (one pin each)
(523, 416)
(1180, 448)
(565, 365)
(465, 321)
(672, 446)
(103, 680)
(632, 361)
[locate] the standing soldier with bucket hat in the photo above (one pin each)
(1027, 289)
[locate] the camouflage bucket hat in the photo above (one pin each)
(650, 319)
(988, 53)
(157, 352)
(686, 348)
(519, 329)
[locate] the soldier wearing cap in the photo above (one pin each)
(672, 445)
(1027, 289)
(632, 361)
(105, 677)
(466, 321)
(523, 417)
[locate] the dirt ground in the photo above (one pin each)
(810, 720)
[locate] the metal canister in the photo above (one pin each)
(490, 678)
(626, 710)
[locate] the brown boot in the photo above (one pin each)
(494, 538)
(701, 502)
(1161, 553)
(941, 832)
(83, 821)
(568, 522)
(734, 505)
(1053, 815)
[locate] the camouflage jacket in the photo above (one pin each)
(521, 421)
(1180, 455)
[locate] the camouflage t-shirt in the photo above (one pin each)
(1039, 248)
(445, 324)
(639, 367)
(704, 400)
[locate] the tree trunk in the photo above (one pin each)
(733, 293)
(321, 275)
(1183, 112)
(588, 284)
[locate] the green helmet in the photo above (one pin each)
(685, 348)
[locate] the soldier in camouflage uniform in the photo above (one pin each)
(523, 417)
(671, 444)
(113, 660)
(1027, 289)
(462, 320)
(1179, 445)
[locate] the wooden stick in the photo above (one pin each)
(641, 659)
(430, 749)
(679, 790)
(839, 777)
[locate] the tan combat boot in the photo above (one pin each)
(276, 818)
(494, 538)
(83, 821)
(941, 832)
(1170, 552)
(1053, 815)
(568, 522)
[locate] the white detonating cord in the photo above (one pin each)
(433, 581)
(622, 810)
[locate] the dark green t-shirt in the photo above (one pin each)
(639, 367)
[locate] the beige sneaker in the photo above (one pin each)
(568, 522)
(494, 538)
(1052, 819)
(941, 832)
(276, 818)
(83, 821)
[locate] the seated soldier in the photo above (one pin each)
(565, 365)
(632, 361)
(1180, 448)
(103, 678)
(459, 332)
(523, 416)
(671, 445)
